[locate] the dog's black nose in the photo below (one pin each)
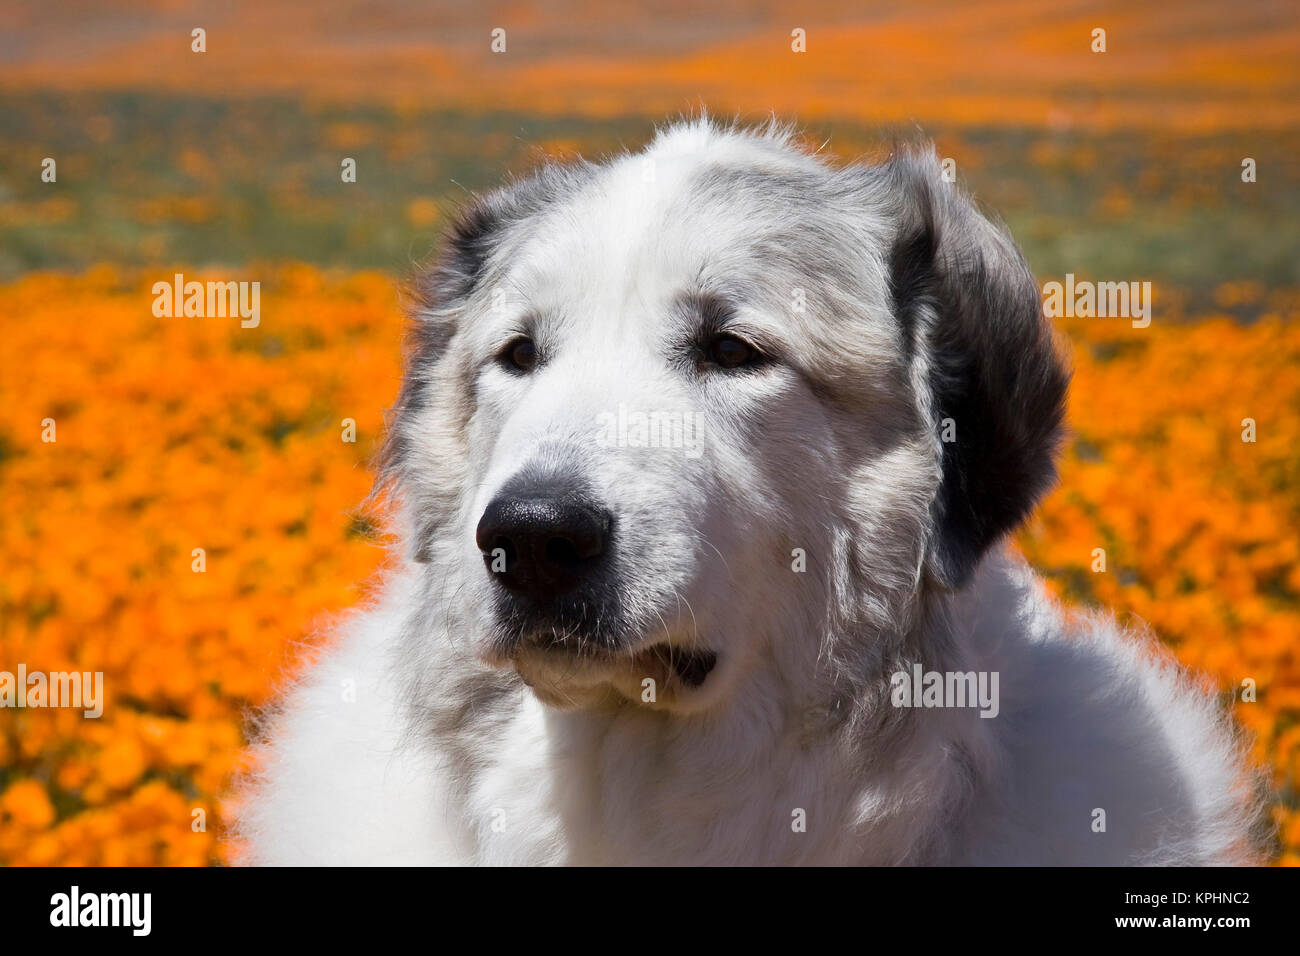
(542, 542)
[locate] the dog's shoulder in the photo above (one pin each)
(337, 778)
(1118, 753)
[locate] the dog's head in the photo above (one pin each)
(716, 413)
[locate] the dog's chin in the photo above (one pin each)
(659, 676)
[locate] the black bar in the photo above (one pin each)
(326, 906)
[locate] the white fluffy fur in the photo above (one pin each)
(445, 756)
(1092, 717)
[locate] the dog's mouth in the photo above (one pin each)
(551, 659)
(691, 666)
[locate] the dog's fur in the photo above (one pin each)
(889, 309)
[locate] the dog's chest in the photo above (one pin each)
(565, 788)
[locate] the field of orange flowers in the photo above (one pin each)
(178, 434)
(171, 436)
(1196, 65)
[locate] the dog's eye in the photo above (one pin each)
(727, 351)
(520, 355)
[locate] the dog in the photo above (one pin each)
(704, 459)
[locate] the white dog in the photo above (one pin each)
(704, 457)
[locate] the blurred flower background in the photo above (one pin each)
(183, 433)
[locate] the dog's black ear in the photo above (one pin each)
(456, 271)
(435, 295)
(971, 315)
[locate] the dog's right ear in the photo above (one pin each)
(436, 296)
(456, 272)
(971, 317)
